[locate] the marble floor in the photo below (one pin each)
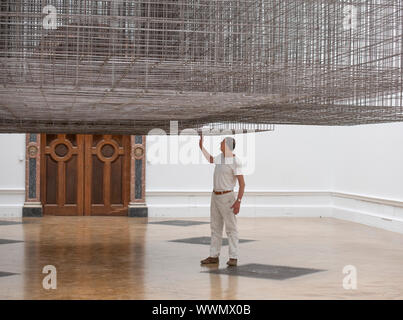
(137, 258)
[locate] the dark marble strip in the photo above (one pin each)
(138, 139)
(32, 178)
(138, 180)
(32, 137)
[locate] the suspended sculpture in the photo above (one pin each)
(128, 66)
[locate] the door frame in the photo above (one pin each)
(33, 183)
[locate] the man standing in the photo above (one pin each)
(224, 206)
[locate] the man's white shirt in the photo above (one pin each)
(225, 172)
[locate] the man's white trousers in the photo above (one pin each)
(222, 214)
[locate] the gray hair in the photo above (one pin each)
(230, 142)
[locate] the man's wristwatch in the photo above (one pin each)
(239, 200)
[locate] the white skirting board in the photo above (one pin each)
(10, 211)
(376, 212)
(254, 204)
(11, 202)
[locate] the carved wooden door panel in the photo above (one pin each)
(62, 187)
(85, 174)
(107, 168)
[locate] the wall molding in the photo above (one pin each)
(389, 202)
(369, 210)
(373, 211)
(12, 190)
(248, 192)
(384, 201)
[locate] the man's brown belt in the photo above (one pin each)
(222, 192)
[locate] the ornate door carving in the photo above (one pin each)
(107, 168)
(62, 187)
(85, 174)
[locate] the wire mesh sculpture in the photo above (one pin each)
(127, 66)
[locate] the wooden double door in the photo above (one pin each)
(85, 174)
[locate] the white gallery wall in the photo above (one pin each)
(290, 158)
(12, 174)
(281, 166)
(367, 175)
(353, 173)
(368, 160)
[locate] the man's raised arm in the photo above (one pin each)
(207, 155)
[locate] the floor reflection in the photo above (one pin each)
(219, 291)
(128, 258)
(95, 258)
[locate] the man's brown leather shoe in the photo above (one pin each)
(232, 262)
(210, 260)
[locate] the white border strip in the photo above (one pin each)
(389, 202)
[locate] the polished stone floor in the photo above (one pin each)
(131, 258)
